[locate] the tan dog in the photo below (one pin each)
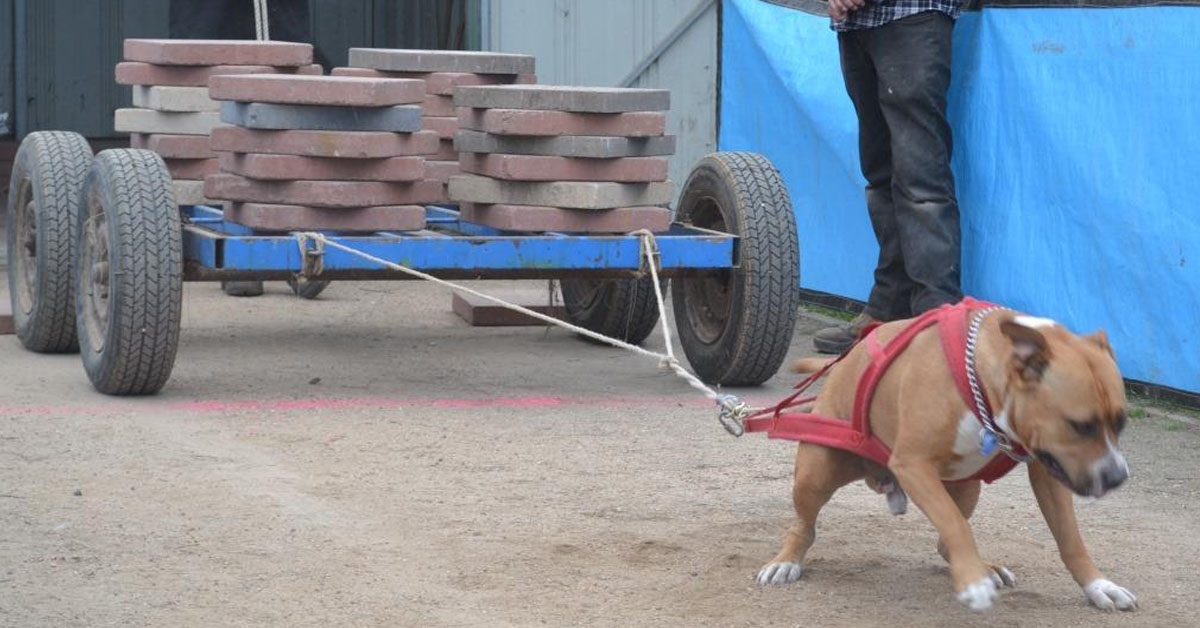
(1059, 395)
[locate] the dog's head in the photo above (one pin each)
(1066, 400)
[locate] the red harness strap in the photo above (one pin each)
(855, 436)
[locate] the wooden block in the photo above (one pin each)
(190, 193)
(253, 115)
(537, 168)
(192, 169)
(438, 106)
(547, 123)
(532, 218)
(218, 52)
(563, 98)
(441, 171)
(466, 188)
(441, 61)
(444, 127)
(292, 167)
(479, 312)
(331, 194)
(343, 144)
(134, 73)
(173, 99)
(442, 83)
(596, 147)
(334, 91)
(299, 218)
(173, 146)
(150, 121)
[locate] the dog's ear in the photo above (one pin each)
(1100, 339)
(1031, 354)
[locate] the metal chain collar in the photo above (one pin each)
(1003, 440)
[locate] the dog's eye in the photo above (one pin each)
(1085, 430)
(1119, 426)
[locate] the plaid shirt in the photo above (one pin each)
(880, 12)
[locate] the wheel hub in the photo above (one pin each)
(95, 275)
(25, 255)
(709, 299)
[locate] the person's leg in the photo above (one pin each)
(889, 299)
(912, 57)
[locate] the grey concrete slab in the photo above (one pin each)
(441, 61)
(400, 119)
(562, 194)
(563, 98)
(595, 146)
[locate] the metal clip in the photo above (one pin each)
(733, 411)
(312, 262)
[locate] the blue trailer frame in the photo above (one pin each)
(217, 250)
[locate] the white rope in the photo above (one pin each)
(262, 21)
(733, 410)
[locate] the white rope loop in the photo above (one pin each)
(733, 409)
(262, 21)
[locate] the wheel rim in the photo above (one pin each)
(25, 258)
(95, 273)
(709, 300)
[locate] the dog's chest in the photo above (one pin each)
(970, 458)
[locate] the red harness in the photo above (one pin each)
(855, 436)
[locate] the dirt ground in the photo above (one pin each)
(368, 460)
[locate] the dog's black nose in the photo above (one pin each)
(1113, 476)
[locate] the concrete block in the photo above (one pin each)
(596, 147)
(292, 167)
(446, 152)
(134, 73)
(218, 52)
(264, 217)
(479, 312)
(537, 168)
(530, 218)
(445, 127)
(173, 99)
(546, 123)
(442, 83)
(150, 121)
(441, 171)
(399, 119)
(468, 188)
(343, 144)
(332, 194)
(337, 91)
(190, 193)
(173, 146)
(441, 61)
(192, 169)
(438, 106)
(560, 98)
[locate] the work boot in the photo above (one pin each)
(242, 288)
(838, 339)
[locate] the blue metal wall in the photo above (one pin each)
(1075, 134)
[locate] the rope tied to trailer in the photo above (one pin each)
(732, 410)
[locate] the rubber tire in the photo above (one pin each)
(763, 287)
(307, 288)
(54, 164)
(624, 309)
(145, 278)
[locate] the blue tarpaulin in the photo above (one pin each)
(1076, 152)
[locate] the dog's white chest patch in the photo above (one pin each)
(966, 447)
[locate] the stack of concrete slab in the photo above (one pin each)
(573, 159)
(328, 153)
(173, 114)
(442, 71)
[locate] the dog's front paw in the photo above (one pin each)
(779, 573)
(1107, 596)
(979, 595)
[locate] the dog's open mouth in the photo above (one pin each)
(1056, 470)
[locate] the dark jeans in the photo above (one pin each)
(234, 19)
(897, 76)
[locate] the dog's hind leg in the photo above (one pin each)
(820, 472)
(966, 497)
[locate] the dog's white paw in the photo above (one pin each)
(979, 595)
(779, 573)
(1107, 596)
